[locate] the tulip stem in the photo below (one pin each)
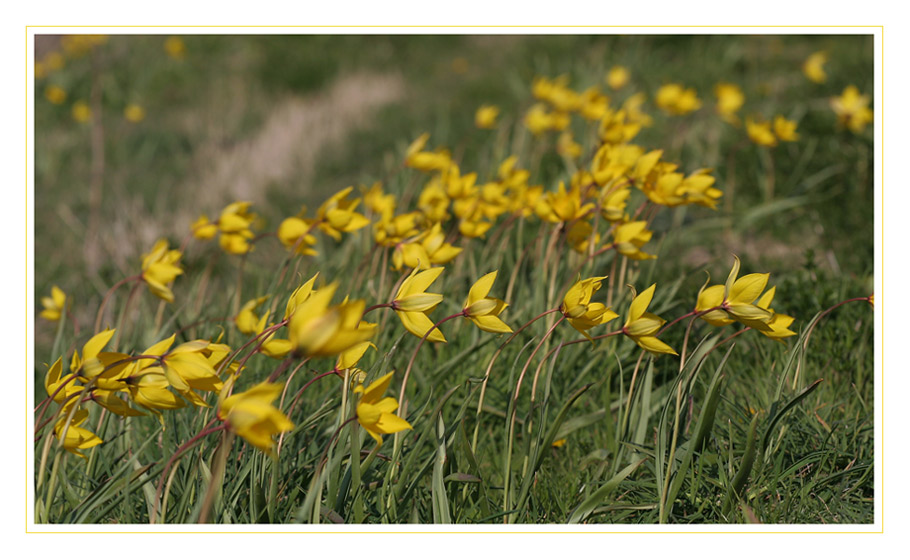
(108, 295)
(486, 377)
(514, 406)
(207, 430)
(407, 372)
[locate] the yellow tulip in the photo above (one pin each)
(580, 312)
(376, 414)
(482, 310)
(642, 327)
(54, 305)
(250, 415)
(412, 304)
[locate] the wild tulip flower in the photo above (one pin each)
(629, 238)
(677, 100)
(785, 130)
(814, 67)
(160, 267)
(294, 233)
(319, 329)
(567, 147)
(417, 158)
(779, 323)
(485, 117)
(337, 215)
(580, 312)
(109, 400)
(235, 225)
(618, 77)
(246, 320)
(617, 127)
(852, 109)
(412, 304)
(81, 112)
(92, 362)
(736, 298)
(760, 132)
(300, 295)
(250, 415)
(642, 326)
(579, 236)
(482, 310)
(134, 113)
(730, 99)
(377, 414)
(76, 439)
(203, 229)
(55, 94)
(377, 201)
(53, 381)
(54, 305)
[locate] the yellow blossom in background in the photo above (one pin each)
(643, 327)
(393, 230)
(378, 202)
(814, 67)
(294, 233)
(618, 77)
(412, 304)
(566, 146)
(252, 416)
(760, 132)
(235, 225)
(482, 310)
(53, 61)
(53, 305)
(337, 215)
(539, 120)
(246, 320)
(485, 117)
(730, 99)
(160, 267)
(81, 112)
(376, 414)
(203, 229)
(613, 203)
(852, 109)
(677, 100)
(629, 238)
(55, 94)
(592, 104)
(418, 158)
(785, 130)
(580, 312)
(579, 236)
(75, 439)
(134, 113)
(175, 48)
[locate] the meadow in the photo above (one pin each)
(454, 279)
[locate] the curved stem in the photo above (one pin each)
(208, 429)
(108, 295)
(486, 377)
(407, 372)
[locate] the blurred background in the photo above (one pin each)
(136, 136)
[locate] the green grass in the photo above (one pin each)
(813, 232)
